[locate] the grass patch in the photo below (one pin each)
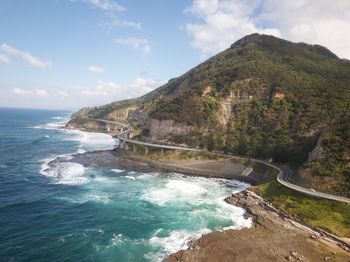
(180, 156)
(332, 216)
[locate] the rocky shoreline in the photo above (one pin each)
(273, 237)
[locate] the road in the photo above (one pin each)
(282, 178)
(284, 172)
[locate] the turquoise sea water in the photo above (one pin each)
(74, 213)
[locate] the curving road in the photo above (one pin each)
(284, 172)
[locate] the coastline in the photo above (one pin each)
(273, 237)
(264, 216)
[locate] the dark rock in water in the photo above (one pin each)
(106, 159)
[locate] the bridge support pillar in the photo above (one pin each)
(146, 150)
(161, 151)
(121, 144)
(133, 148)
(126, 146)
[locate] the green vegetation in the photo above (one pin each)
(331, 216)
(336, 160)
(180, 156)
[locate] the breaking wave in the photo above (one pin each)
(65, 173)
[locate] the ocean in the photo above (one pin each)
(69, 212)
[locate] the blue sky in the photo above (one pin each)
(65, 54)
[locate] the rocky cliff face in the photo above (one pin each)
(317, 152)
(160, 130)
(120, 114)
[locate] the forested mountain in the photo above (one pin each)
(262, 97)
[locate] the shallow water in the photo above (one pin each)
(74, 213)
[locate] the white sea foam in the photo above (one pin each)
(91, 141)
(58, 124)
(115, 170)
(71, 173)
(117, 239)
(3, 166)
(146, 176)
(175, 190)
(45, 167)
(130, 177)
(175, 241)
(80, 150)
(96, 197)
(204, 201)
(66, 173)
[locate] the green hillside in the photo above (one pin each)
(262, 97)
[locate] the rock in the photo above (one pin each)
(318, 152)
(163, 129)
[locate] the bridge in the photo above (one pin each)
(284, 173)
(125, 141)
(121, 127)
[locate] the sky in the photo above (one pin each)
(67, 54)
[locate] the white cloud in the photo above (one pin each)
(4, 59)
(115, 21)
(26, 57)
(61, 93)
(107, 5)
(138, 87)
(316, 22)
(137, 43)
(21, 91)
(219, 23)
(95, 69)
(103, 89)
(41, 92)
(144, 85)
(24, 92)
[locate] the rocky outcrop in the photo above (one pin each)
(138, 115)
(317, 152)
(120, 114)
(163, 129)
(81, 113)
(85, 124)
